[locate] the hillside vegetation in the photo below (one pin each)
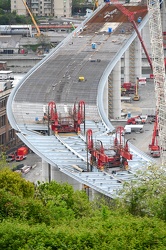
(54, 216)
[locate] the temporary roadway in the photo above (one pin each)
(56, 78)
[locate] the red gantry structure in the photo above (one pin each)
(67, 124)
(116, 155)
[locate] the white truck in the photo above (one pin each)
(137, 128)
(5, 85)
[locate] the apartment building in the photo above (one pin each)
(8, 138)
(62, 8)
(18, 6)
(57, 8)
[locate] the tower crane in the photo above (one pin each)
(33, 19)
(156, 40)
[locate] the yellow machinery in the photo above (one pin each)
(136, 96)
(33, 19)
(81, 78)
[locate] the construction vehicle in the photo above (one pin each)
(134, 120)
(136, 96)
(127, 88)
(137, 128)
(139, 119)
(66, 124)
(114, 156)
(154, 146)
(21, 153)
(38, 34)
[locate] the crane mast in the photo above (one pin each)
(33, 19)
(157, 50)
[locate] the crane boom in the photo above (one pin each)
(156, 40)
(130, 16)
(33, 19)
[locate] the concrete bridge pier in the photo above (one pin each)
(60, 177)
(114, 92)
(46, 173)
(133, 62)
(126, 66)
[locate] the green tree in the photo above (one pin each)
(13, 182)
(54, 216)
(147, 195)
(118, 231)
(63, 199)
(5, 5)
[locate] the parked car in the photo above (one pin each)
(10, 157)
(18, 167)
(20, 157)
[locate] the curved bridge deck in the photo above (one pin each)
(56, 78)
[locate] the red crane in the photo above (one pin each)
(66, 124)
(102, 157)
(154, 147)
(131, 18)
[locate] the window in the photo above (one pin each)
(11, 134)
(2, 139)
(3, 102)
(2, 121)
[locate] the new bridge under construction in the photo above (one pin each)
(63, 107)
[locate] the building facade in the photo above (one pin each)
(57, 8)
(8, 137)
(18, 6)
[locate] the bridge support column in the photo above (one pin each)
(126, 66)
(60, 177)
(46, 171)
(117, 91)
(133, 62)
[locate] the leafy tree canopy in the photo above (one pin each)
(54, 216)
(13, 183)
(146, 196)
(5, 4)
